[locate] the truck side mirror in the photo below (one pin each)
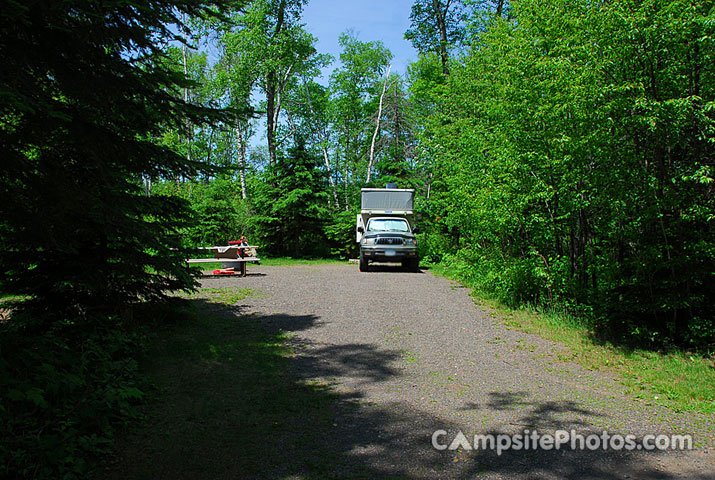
(360, 229)
(416, 230)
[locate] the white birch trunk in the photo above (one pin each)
(371, 161)
(241, 151)
(186, 100)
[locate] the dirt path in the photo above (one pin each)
(417, 355)
(408, 354)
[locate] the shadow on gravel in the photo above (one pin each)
(542, 415)
(234, 402)
(365, 363)
(582, 459)
(390, 268)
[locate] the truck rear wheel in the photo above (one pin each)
(363, 264)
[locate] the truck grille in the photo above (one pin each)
(389, 241)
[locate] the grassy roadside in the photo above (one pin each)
(225, 404)
(676, 380)
(281, 262)
(287, 262)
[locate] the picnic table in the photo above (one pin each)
(229, 255)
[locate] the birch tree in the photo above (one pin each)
(355, 91)
(235, 78)
(378, 118)
(306, 104)
(280, 49)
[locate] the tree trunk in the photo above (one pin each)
(270, 112)
(241, 152)
(323, 145)
(272, 90)
(274, 98)
(397, 124)
(377, 126)
(346, 179)
(187, 125)
(186, 100)
(147, 185)
(441, 14)
(326, 159)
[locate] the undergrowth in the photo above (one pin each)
(65, 389)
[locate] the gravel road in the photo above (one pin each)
(409, 354)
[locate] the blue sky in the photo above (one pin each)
(370, 20)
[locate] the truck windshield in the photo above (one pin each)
(387, 225)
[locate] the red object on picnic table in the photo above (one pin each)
(241, 251)
(224, 271)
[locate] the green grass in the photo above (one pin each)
(277, 262)
(287, 261)
(676, 380)
(209, 266)
(227, 295)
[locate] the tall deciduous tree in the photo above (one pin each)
(307, 108)
(576, 152)
(270, 36)
(436, 26)
(398, 164)
(84, 93)
(235, 76)
(356, 86)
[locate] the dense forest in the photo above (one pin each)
(562, 152)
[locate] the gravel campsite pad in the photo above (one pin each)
(410, 353)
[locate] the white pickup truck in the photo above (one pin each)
(383, 228)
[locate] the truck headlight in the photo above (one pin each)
(368, 241)
(410, 242)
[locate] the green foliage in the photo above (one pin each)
(64, 393)
(355, 87)
(219, 214)
(436, 26)
(573, 163)
(340, 232)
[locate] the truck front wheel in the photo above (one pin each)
(414, 265)
(363, 263)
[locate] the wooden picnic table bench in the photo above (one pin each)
(228, 255)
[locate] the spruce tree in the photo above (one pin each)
(294, 204)
(85, 87)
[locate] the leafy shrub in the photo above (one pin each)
(433, 246)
